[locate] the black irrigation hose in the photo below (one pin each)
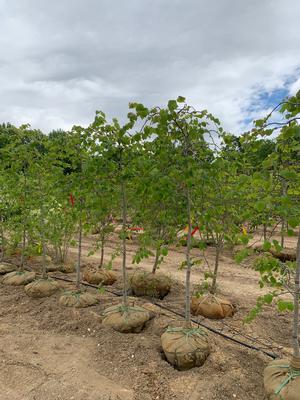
(217, 332)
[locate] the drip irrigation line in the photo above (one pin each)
(209, 328)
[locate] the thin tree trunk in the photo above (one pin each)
(296, 348)
(265, 231)
(214, 281)
(23, 248)
(282, 232)
(188, 264)
(2, 242)
(24, 225)
(78, 267)
(42, 222)
(283, 222)
(102, 252)
(154, 268)
(124, 223)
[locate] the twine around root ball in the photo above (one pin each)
(211, 306)
(5, 268)
(77, 299)
(18, 278)
(44, 287)
(125, 319)
(185, 348)
(148, 284)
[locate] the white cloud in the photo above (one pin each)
(61, 61)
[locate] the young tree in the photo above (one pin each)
(186, 133)
(116, 147)
(282, 377)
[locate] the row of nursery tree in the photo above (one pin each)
(164, 170)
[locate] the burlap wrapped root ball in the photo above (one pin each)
(44, 287)
(213, 307)
(282, 379)
(67, 268)
(99, 276)
(5, 268)
(18, 278)
(125, 319)
(185, 348)
(77, 299)
(148, 284)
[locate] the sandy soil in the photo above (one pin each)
(51, 353)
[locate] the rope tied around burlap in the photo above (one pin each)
(187, 331)
(122, 309)
(292, 374)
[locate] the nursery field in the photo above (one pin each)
(159, 259)
(52, 352)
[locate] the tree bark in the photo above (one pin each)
(188, 264)
(2, 242)
(214, 281)
(296, 348)
(124, 223)
(78, 266)
(23, 248)
(157, 253)
(265, 231)
(102, 252)
(42, 227)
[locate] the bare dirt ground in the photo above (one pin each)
(48, 352)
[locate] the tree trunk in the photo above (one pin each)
(265, 232)
(157, 253)
(124, 223)
(188, 264)
(24, 225)
(296, 348)
(23, 248)
(78, 267)
(102, 252)
(2, 243)
(214, 281)
(283, 221)
(282, 232)
(42, 223)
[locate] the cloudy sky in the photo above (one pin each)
(61, 60)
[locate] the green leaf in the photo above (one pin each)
(267, 246)
(294, 221)
(172, 105)
(180, 99)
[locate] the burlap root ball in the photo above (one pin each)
(99, 276)
(282, 379)
(148, 284)
(52, 268)
(77, 299)
(67, 268)
(5, 268)
(210, 306)
(18, 278)
(41, 288)
(125, 319)
(185, 348)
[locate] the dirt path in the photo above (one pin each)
(51, 353)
